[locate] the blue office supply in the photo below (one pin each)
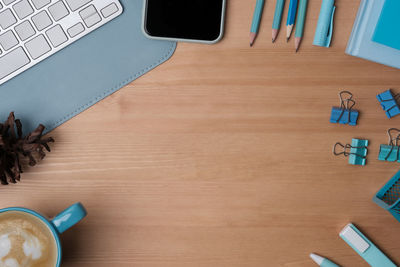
(390, 152)
(324, 31)
(276, 24)
(387, 31)
(361, 44)
(345, 114)
(291, 18)
(389, 103)
(364, 247)
(389, 196)
(85, 72)
(357, 151)
(322, 262)
(255, 25)
(258, 10)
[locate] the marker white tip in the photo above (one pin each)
(318, 259)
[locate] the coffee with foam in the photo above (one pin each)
(26, 241)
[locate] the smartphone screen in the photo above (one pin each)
(184, 19)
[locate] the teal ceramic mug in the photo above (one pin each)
(60, 223)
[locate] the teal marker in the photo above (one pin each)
(364, 247)
(255, 25)
(301, 18)
(321, 261)
(276, 24)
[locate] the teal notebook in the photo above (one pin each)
(387, 31)
(361, 43)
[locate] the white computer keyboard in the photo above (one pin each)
(32, 30)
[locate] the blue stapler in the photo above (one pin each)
(345, 114)
(389, 103)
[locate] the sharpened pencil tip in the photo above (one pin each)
(253, 36)
(287, 40)
(273, 40)
(297, 50)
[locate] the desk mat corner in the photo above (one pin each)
(85, 72)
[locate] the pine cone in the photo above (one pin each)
(12, 145)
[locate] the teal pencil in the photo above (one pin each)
(276, 24)
(256, 21)
(301, 18)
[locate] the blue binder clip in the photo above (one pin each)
(390, 152)
(345, 114)
(389, 103)
(358, 151)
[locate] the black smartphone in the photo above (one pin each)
(184, 20)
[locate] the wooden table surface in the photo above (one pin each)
(222, 156)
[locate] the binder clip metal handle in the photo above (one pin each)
(345, 148)
(393, 142)
(345, 114)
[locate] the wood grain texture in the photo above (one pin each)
(222, 156)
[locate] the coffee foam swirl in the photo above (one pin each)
(25, 242)
(10, 263)
(31, 247)
(5, 245)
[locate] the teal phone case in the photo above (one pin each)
(85, 72)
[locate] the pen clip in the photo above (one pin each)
(330, 31)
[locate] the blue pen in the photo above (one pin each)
(291, 18)
(321, 261)
(256, 20)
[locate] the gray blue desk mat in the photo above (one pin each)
(87, 71)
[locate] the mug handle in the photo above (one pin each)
(69, 217)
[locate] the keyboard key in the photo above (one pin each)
(7, 19)
(56, 36)
(109, 10)
(90, 16)
(76, 4)
(33, 30)
(58, 10)
(42, 20)
(40, 3)
(24, 30)
(38, 46)
(8, 40)
(13, 61)
(76, 29)
(23, 9)
(7, 2)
